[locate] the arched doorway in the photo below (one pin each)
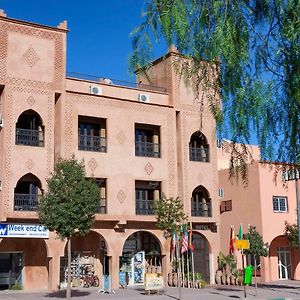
(24, 261)
(281, 256)
(201, 256)
(141, 253)
(88, 258)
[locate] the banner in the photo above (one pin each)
(23, 231)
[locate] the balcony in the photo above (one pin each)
(147, 149)
(101, 208)
(201, 209)
(144, 207)
(199, 154)
(25, 202)
(91, 143)
(29, 137)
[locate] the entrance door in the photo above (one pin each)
(11, 265)
(284, 262)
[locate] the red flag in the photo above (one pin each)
(232, 241)
(191, 245)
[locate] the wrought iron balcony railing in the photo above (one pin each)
(199, 154)
(147, 149)
(91, 143)
(29, 137)
(101, 209)
(26, 202)
(201, 209)
(144, 207)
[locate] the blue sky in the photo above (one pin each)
(98, 42)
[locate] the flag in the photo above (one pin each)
(173, 246)
(240, 233)
(232, 241)
(191, 246)
(184, 242)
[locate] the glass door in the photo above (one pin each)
(284, 263)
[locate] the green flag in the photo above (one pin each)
(240, 233)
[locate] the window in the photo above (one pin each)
(27, 192)
(102, 206)
(198, 147)
(201, 202)
(279, 204)
(146, 192)
(91, 134)
(226, 206)
(29, 129)
(147, 140)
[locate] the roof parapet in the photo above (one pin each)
(63, 25)
(2, 13)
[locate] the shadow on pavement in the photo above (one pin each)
(62, 294)
(277, 286)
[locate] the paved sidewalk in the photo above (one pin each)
(276, 291)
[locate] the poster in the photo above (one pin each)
(139, 267)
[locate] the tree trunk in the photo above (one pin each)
(255, 280)
(69, 270)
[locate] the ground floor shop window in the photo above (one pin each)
(83, 265)
(11, 265)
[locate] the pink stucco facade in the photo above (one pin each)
(34, 86)
(257, 204)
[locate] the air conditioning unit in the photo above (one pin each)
(144, 98)
(219, 143)
(95, 90)
(221, 193)
(1, 122)
(0, 185)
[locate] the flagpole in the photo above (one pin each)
(188, 268)
(193, 270)
(182, 258)
(178, 267)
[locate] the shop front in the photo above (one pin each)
(141, 254)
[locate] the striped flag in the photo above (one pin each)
(184, 242)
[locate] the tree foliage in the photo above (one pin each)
(169, 214)
(256, 44)
(291, 232)
(257, 245)
(70, 203)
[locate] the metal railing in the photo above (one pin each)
(25, 202)
(201, 209)
(199, 154)
(91, 143)
(144, 207)
(116, 82)
(29, 137)
(101, 209)
(147, 149)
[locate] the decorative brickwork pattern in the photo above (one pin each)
(31, 101)
(149, 168)
(31, 57)
(29, 164)
(93, 164)
(121, 196)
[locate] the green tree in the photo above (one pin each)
(69, 205)
(255, 45)
(257, 248)
(170, 215)
(291, 232)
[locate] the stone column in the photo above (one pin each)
(114, 269)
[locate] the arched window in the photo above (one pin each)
(201, 202)
(27, 191)
(30, 129)
(199, 148)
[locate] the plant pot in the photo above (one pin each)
(228, 279)
(223, 279)
(218, 277)
(174, 279)
(170, 279)
(232, 280)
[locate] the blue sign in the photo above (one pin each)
(106, 283)
(122, 279)
(24, 230)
